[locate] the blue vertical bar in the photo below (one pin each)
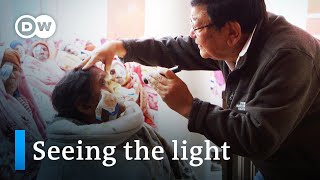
(19, 149)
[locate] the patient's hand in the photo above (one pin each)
(109, 108)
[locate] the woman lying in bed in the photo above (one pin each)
(83, 115)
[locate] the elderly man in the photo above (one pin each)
(272, 73)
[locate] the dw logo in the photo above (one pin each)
(27, 26)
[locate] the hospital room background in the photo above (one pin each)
(92, 23)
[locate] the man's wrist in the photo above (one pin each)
(196, 103)
(187, 109)
(117, 47)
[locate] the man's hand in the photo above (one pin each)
(105, 55)
(173, 91)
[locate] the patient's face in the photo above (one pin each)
(20, 50)
(12, 83)
(41, 52)
(97, 79)
(72, 50)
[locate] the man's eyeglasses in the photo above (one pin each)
(195, 29)
(201, 27)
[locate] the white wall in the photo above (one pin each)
(88, 19)
(295, 11)
(78, 18)
(167, 17)
(5, 34)
(74, 18)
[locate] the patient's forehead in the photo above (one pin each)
(97, 74)
(96, 70)
(39, 47)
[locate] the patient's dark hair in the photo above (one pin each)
(73, 87)
(246, 12)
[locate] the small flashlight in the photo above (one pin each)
(174, 69)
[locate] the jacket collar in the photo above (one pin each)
(251, 46)
(246, 46)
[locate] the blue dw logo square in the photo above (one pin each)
(20, 149)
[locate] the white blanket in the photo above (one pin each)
(112, 132)
(128, 128)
